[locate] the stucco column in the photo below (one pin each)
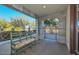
(71, 28)
(40, 28)
(37, 28)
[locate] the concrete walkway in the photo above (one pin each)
(5, 47)
(46, 47)
(43, 47)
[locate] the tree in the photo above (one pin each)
(47, 23)
(51, 23)
(2, 24)
(20, 23)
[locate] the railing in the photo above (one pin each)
(21, 40)
(7, 36)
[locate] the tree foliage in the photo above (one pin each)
(52, 22)
(2, 22)
(16, 23)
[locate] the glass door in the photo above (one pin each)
(77, 33)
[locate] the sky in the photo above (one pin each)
(7, 13)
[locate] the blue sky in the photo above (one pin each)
(7, 13)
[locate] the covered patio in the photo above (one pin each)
(25, 40)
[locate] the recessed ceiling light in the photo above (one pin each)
(44, 6)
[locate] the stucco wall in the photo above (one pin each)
(68, 28)
(62, 31)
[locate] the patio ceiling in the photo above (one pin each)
(47, 9)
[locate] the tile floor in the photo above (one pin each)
(46, 47)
